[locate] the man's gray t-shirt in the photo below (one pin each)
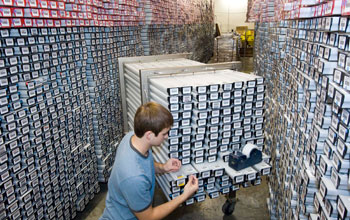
(131, 184)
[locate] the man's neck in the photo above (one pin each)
(140, 145)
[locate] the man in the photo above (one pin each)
(132, 181)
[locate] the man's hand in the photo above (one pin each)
(191, 186)
(165, 209)
(172, 165)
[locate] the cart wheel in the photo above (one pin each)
(228, 207)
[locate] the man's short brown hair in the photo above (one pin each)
(151, 117)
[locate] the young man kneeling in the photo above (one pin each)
(132, 181)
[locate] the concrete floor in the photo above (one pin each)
(247, 64)
(251, 203)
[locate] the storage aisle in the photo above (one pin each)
(251, 201)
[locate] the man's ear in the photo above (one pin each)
(149, 135)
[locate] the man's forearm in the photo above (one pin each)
(165, 209)
(159, 168)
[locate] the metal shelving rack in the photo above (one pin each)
(179, 88)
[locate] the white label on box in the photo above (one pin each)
(266, 171)
(186, 131)
(259, 104)
(251, 83)
(227, 87)
(174, 107)
(186, 146)
(341, 207)
(238, 132)
(187, 98)
(238, 93)
(186, 138)
(227, 111)
(174, 155)
(198, 144)
(213, 151)
(199, 160)
(215, 113)
(238, 85)
(344, 117)
(174, 141)
(326, 53)
(251, 176)
(186, 122)
(225, 190)
(343, 22)
(226, 102)
(202, 105)
(259, 112)
(5, 175)
(342, 132)
(223, 148)
(187, 107)
(226, 128)
(202, 98)
(201, 130)
(250, 91)
(237, 109)
(203, 115)
(236, 116)
(200, 136)
(186, 90)
(173, 148)
(342, 42)
(259, 133)
(247, 135)
(237, 125)
(214, 88)
(202, 122)
(237, 101)
(5, 12)
(214, 129)
(239, 179)
(202, 89)
(219, 173)
(199, 153)
(337, 76)
(211, 159)
(248, 113)
(226, 134)
(186, 153)
(260, 141)
(260, 97)
(346, 83)
(214, 96)
(174, 114)
(174, 99)
(227, 119)
(247, 121)
(334, 178)
(249, 98)
(216, 105)
(226, 95)
(215, 120)
(173, 91)
(213, 144)
(261, 88)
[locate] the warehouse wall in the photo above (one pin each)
(231, 13)
(306, 78)
(60, 102)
